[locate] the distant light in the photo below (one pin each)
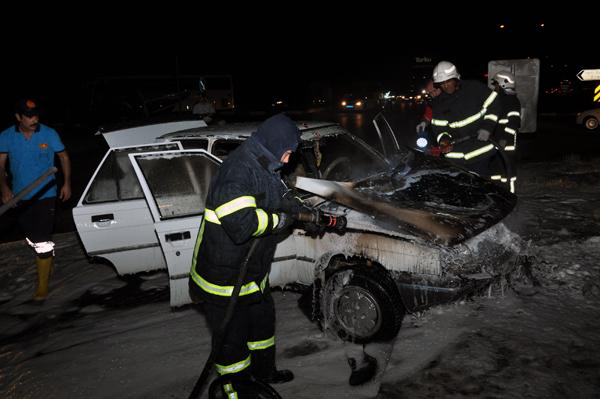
(542, 25)
(423, 91)
(278, 102)
(343, 103)
(358, 103)
(502, 26)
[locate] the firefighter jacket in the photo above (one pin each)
(241, 207)
(509, 121)
(459, 116)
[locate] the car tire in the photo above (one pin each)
(590, 123)
(361, 305)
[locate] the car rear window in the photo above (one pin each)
(116, 179)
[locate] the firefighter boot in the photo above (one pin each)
(363, 370)
(44, 267)
(263, 367)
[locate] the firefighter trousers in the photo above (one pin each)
(249, 341)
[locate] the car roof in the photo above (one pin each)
(232, 130)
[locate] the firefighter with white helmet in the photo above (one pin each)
(444, 71)
(506, 81)
(509, 122)
(464, 117)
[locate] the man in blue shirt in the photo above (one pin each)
(29, 148)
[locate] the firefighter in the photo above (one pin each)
(464, 117)
(244, 204)
(509, 123)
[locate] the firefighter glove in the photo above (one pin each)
(483, 135)
(284, 221)
(314, 229)
(292, 203)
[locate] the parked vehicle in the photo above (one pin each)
(589, 119)
(415, 223)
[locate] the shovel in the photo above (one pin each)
(27, 190)
(344, 193)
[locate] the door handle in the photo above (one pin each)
(179, 236)
(107, 217)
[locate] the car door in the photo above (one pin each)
(112, 217)
(175, 184)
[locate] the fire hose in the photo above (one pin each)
(327, 221)
(217, 337)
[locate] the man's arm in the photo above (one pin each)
(7, 193)
(492, 115)
(65, 164)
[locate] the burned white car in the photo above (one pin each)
(419, 230)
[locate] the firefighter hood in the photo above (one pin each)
(278, 134)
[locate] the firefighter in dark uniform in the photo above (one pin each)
(509, 123)
(464, 116)
(244, 204)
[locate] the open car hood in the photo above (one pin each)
(423, 196)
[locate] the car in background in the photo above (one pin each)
(419, 230)
(589, 119)
(351, 102)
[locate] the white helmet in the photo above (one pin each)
(444, 71)
(505, 80)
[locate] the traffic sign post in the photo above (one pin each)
(589, 74)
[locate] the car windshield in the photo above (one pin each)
(332, 153)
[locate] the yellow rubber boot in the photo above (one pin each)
(44, 267)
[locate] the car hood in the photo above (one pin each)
(425, 197)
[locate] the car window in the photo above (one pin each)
(222, 147)
(339, 157)
(116, 179)
(178, 182)
(192, 144)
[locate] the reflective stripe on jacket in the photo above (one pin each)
(241, 206)
(472, 107)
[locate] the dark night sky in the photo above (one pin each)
(287, 50)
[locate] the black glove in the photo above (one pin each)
(313, 229)
(483, 135)
(292, 203)
(284, 221)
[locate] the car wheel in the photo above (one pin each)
(362, 306)
(591, 123)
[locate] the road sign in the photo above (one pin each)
(589, 74)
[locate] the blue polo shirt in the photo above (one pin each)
(29, 159)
